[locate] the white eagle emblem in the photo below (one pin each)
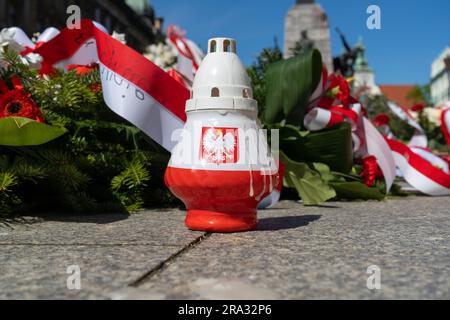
(219, 145)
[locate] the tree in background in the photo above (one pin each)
(257, 73)
(420, 94)
(376, 105)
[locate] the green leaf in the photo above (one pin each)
(134, 176)
(356, 191)
(290, 84)
(7, 180)
(18, 132)
(324, 172)
(308, 183)
(332, 147)
(347, 190)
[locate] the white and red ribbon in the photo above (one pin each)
(133, 87)
(319, 119)
(417, 164)
(366, 138)
(419, 138)
(445, 124)
(376, 145)
(429, 156)
(154, 101)
(21, 38)
(367, 141)
(190, 55)
(418, 172)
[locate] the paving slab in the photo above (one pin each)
(153, 227)
(323, 253)
(297, 252)
(111, 251)
(40, 272)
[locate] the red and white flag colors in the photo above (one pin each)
(133, 87)
(418, 165)
(419, 138)
(366, 138)
(328, 110)
(445, 124)
(428, 155)
(422, 169)
(190, 55)
(418, 172)
(154, 100)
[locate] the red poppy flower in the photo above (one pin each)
(418, 107)
(338, 89)
(82, 70)
(85, 70)
(370, 171)
(381, 120)
(18, 103)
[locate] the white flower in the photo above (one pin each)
(168, 59)
(33, 60)
(433, 115)
(158, 61)
(159, 49)
(120, 37)
(6, 36)
(7, 40)
(162, 54)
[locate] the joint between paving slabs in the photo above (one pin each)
(5, 225)
(164, 264)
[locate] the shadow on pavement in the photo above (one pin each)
(325, 206)
(285, 223)
(81, 218)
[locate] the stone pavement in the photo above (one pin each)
(297, 253)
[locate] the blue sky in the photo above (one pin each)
(413, 32)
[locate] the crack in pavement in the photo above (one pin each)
(164, 264)
(5, 225)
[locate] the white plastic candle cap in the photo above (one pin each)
(221, 45)
(222, 82)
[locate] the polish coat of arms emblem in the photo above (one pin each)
(219, 145)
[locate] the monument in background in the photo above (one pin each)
(364, 76)
(307, 21)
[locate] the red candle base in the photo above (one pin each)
(220, 201)
(220, 222)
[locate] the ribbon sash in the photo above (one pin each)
(133, 86)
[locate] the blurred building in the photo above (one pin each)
(306, 21)
(399, 94)
(440, 78)
(135, 18)
(364, 76)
